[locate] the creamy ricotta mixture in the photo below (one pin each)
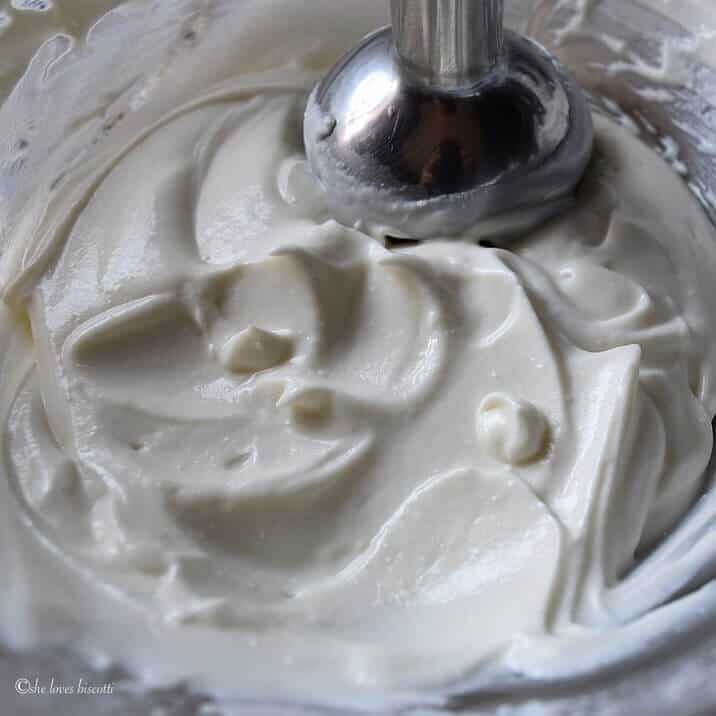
(246, 446)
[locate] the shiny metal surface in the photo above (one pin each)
(443, 125)
(448, 45)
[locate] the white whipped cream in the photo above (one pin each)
(250, 448)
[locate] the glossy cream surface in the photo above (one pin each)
(246, 446)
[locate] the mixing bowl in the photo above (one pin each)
(648, 64)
